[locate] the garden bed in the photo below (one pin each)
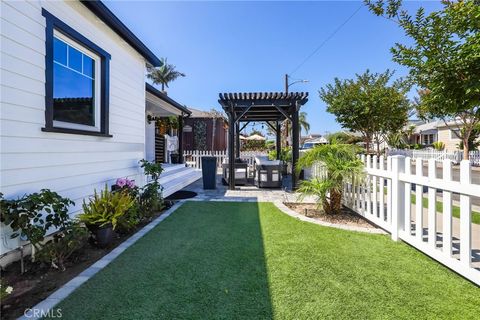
(346, 217)
(40, 280)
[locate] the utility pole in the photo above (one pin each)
(286, 124)
(286, 83)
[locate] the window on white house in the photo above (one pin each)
(428, 139)
(76, 85)
(76, 81)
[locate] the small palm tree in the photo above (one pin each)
(340, 165)
(302, 121)
(164, 74)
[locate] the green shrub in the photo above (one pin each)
(63, 245)
(31, 216)
(106, 208)
(285, 155)
(150, 198)
(438, 145)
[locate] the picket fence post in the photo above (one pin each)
(398, 194)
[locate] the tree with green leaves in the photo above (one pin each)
(165, 74)
(302, 121)
(370, 104)
(443, 59)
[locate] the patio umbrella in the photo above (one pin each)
(243, 137)
(255, 137)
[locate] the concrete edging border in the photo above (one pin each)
(294, 214)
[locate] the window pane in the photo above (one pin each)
(88, 66)
(59, 51)
(75, 59)
(73, 97)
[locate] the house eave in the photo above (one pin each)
(107, 16)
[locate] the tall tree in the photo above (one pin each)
(165, 74)
(370, 104)
(302, 121)
(443, 59)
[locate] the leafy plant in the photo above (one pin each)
(438, 145)
(105, 208)
(151, 169)
(63, 245)
(473, 141)
(442, 58)
(285, 154)
(200, 135)
(340, 165)
(150, 198)
(370, 104)
(5, 290)
(31, 216)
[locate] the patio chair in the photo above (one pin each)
(241, 172)
(268, 173)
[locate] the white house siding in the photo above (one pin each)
(72, 165)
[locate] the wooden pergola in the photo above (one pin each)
(270, 107)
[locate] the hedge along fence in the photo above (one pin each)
(392, 197)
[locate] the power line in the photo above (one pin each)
(327, 39)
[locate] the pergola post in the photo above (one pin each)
(279, 139)
(180, 138)
(295, 146)
(231, 151)
(237, 139)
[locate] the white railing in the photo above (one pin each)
(438, 155)
(193, 158)
(384, 197)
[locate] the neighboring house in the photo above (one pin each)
(198, 131)
(426, 134)
(73, 101)
(310, 137)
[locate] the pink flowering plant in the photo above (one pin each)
(125, 183)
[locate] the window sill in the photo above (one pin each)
(76, 131)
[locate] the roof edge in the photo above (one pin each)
(111, 20)
(164, 97)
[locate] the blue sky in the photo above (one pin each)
(249, 46)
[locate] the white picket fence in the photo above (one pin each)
(384, 197)
(193, 158)
(455, 157)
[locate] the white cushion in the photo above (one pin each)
(264, 161)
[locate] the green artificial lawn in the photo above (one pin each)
(224, 260)
(439, 207)
(455, 209)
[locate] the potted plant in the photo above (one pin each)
(102, 213)
(163, 125)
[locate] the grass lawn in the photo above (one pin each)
(455, 209)
(224, 260)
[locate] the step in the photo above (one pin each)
(167, 170)
(175, 175)
(181, 182)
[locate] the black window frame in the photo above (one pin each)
(53, 23)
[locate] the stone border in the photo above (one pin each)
(294, 214)
(60, 294)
